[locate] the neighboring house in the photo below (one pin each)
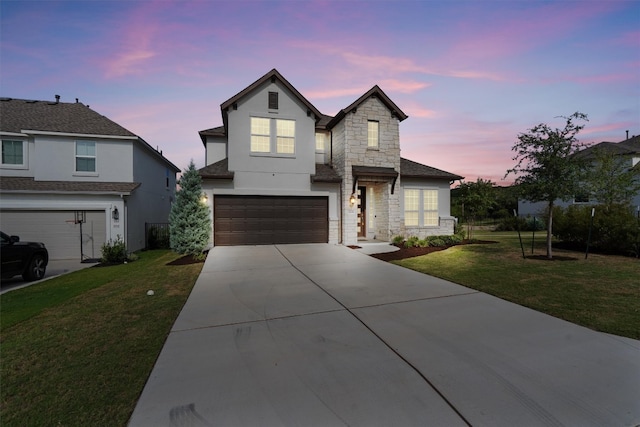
(628, 150)
(64, 160)
(280, 171)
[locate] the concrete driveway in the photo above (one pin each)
(322, 335)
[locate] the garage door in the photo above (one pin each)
(265, 220)
(57, 231)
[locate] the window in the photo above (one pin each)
(85, 156)
(372, 134)
(412, 207)
(421, 207)
(273, 100)
(286, 132)
(276, 136)
(260, 135)
(320, 142)
(12, 152)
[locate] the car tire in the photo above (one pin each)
(36, 268)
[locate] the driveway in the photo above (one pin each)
(55, 267)
(322, 335)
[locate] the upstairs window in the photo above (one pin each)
(273, 100)
(260, 135)
(274, 136)
(85, 156)
(421, 207)
(12, 152)
(286, 136)
(372, 134)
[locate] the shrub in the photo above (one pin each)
(615, 228)
(398, 240)
(436, 241)
(423, 243)
(114, 252)
(412, 242)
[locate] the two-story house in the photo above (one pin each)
(627, 152)
(280, 171)
(66, 168)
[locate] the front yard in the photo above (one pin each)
(601, 292)
(77, 350)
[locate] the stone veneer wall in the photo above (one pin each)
(446, 228)
(350, 148)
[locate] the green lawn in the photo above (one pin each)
(77, 350)
(601, 292)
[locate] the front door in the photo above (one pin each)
(362, 211)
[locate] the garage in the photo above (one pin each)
(266, 220)
(57, 230)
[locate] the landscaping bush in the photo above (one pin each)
(398, 240)
(512, 223)
(615, 228)
(114, 252)
(412, 242)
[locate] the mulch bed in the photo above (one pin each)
(413, 252)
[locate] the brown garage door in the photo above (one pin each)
(266, 220)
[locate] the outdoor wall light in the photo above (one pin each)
(204, 198)
(352, 199)
(115, 214)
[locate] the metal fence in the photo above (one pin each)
(156, 235)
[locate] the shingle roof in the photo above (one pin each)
(217, 170)
(325, 173)
(373, 92)
(627, 147)
(217, 131)
(411, 169)
(23, 184)
(20, 114)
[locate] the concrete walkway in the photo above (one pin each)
(323, 335)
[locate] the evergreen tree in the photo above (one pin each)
(190, 223)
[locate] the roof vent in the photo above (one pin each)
(57, 99)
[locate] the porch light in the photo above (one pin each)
(115, 214)
(204, 199)
(352, 199)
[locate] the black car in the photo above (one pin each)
(29, 259)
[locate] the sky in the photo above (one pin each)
(471, 75)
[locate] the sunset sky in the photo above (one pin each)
(471, 75)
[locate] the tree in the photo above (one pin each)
(477, 199)
(189, 220)
(547, 167)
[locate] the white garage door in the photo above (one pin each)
(56, 229)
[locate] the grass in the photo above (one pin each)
(78, 349)
(601, 292)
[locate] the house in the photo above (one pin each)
(628, 151)
(280, 171)
(67, 171)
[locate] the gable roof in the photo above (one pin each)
(61, 117)
(411, 169)
(272, 76)
(375, 92)
(21, 116)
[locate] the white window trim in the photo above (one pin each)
(421, 210)
(25, 151)
(273, 138)
(76, 172)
